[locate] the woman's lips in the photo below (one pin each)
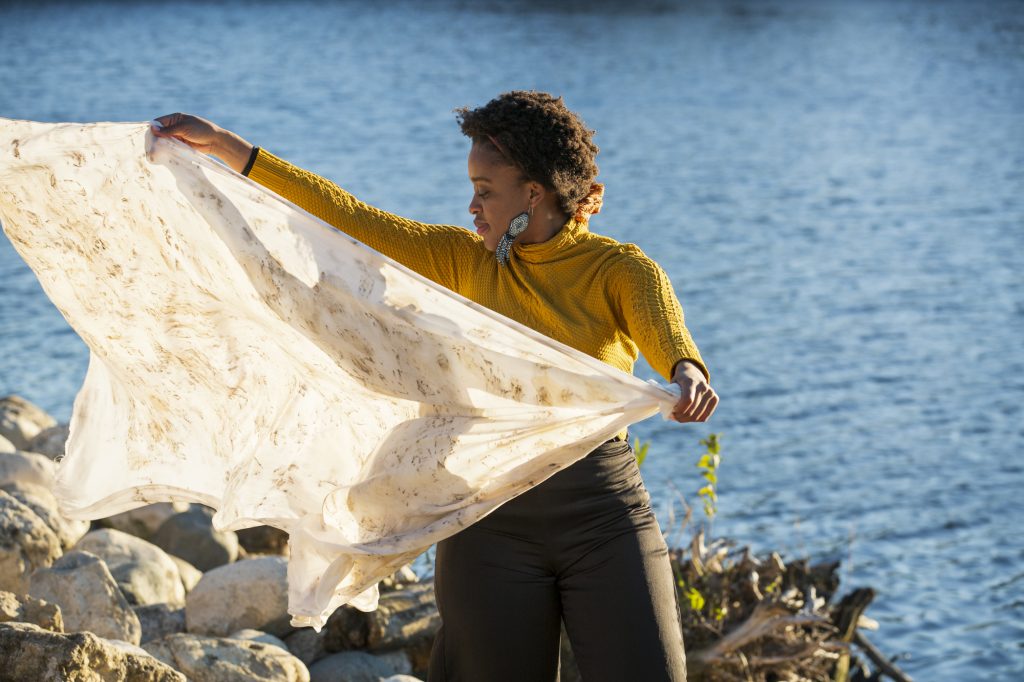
(481, 228)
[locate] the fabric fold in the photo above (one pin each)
(247, 356)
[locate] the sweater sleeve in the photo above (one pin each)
(434, 251)
(652, 315)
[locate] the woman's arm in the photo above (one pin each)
(441, 253)
(654, 320)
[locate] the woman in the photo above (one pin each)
(584, 545)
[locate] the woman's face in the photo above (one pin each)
(500, 193)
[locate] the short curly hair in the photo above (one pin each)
(539, 135)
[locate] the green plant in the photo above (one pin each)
(708, 464)
(641, 448)
(689, 591)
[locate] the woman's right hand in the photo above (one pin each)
(207, 137)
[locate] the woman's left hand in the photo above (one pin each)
(698, 399)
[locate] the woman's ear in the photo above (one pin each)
(537, 194)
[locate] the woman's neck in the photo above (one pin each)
(545, 223)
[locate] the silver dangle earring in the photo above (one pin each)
(515, 228)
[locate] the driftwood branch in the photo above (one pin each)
(766, 620)
(884, 665)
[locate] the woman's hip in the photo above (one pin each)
(605, 487)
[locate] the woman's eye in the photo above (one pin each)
(483, 195)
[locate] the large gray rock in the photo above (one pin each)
(26, 544)
(191, 536)
(50, 441)
(214, 659)
(88, 596)
(143, 521)
(159, 620)
(21, 420)
(252, 593)
(26, 467)
(44, 504)
(28, 652)
(26, 609)
(143, 571)
(359, 666)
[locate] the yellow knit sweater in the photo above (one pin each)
(585, 290)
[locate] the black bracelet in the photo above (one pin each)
(252, 160)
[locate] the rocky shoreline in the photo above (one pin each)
(156, 593)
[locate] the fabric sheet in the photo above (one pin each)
(247, 356)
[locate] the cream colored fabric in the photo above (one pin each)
(249, 357)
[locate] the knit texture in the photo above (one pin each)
(604, 298)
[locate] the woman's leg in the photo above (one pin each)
(499, 607)
(616, 584)
(620, 610)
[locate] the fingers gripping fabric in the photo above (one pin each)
(247, 356)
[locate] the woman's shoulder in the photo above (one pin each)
(619, 257)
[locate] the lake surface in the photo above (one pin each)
(835, 188)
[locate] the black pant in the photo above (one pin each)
(583, 547)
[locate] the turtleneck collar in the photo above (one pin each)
(572, 232)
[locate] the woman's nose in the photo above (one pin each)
(474, 206)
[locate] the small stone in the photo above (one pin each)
(88, 596)
(28, 652)
(26, 544)
(214, 659)
(6, 445)
(144, 572)
(252, 593)
(191, 536)
(26, 467)
(21, 420)
(50, 441)
(190, 575)
(252, 635)
(263, 540)
(143, 521)
(359, 666)
(159, 620)
(44, 504)
(27, 609)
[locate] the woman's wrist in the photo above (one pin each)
(684, 366)
(233, 150)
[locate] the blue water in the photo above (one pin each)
(835, 188)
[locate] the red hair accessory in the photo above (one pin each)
(591, 203)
